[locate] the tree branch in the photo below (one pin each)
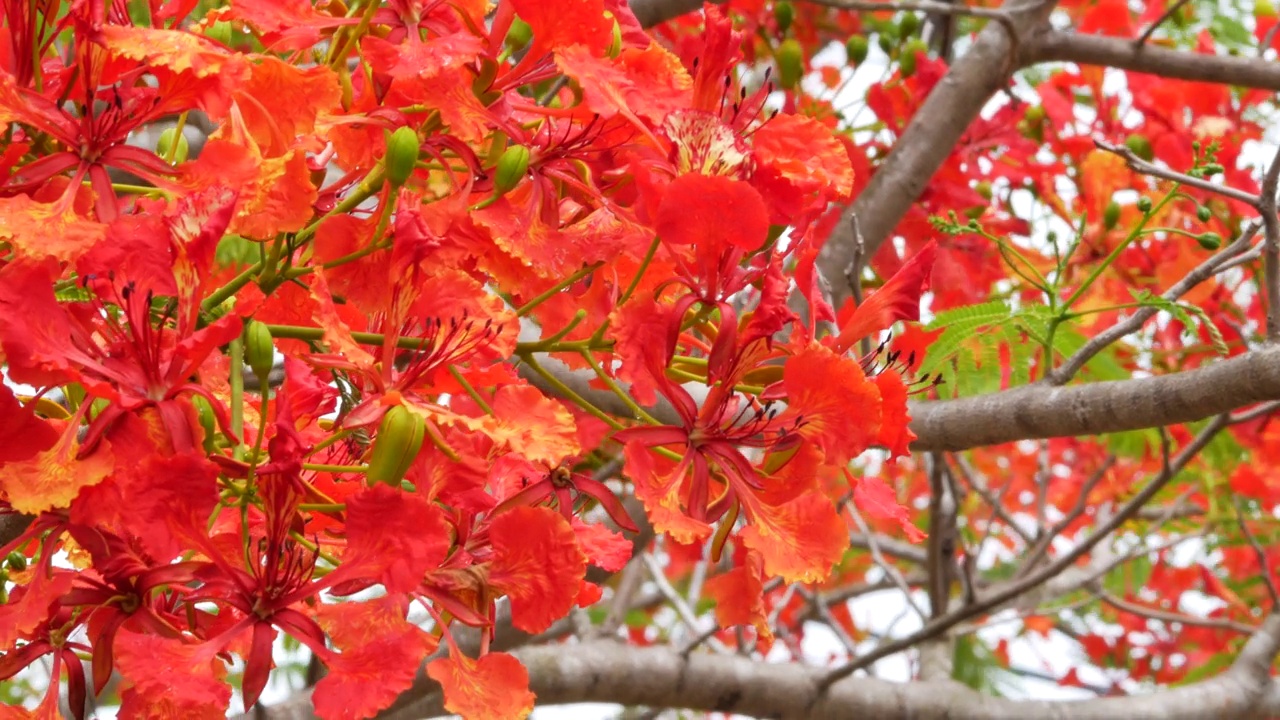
(1041, 411)
(659, 676)
(1067, 46)
(652, 12)
(929, 138)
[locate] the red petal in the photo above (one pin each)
(714, 212)
(495, 687)
(537, 563)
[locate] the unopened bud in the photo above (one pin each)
(512, 166)
(397, 444)
(403, 147)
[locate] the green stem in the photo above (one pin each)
(453, 370)
(322, 467)
(237, 396)
(217, 297)
(369, 186)
(140, 190)
(640, 271)
(177, 136)
(567, 393)
(529, 306)
(542, 345)
(1115, 252)
(331, 440)
(262, 431)
(296, 332)
(623, 395)
(323, 507)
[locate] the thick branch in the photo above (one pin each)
(1042, 411)
(1066, 46)
(929, 139)
(607, 671)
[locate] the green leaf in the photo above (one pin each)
(1183, 314)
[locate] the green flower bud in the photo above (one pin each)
(519, 35)
(396, 445)
(16, 561)
(790, 59)
(910, 52)
(1204, 213)
(208, 422)
(166, 150)
(403, 147)
(856, 47)
(511, 169)
(908, 25)
(259, 352)
(1144, 204)
(1209, 240)
(219, 31)
(1140, 146)
(783, 13)
(615, 44)
(1111, 215)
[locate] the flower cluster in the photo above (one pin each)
(405, 218)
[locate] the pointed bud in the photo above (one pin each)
(397, 444)
(403, 147)
(259, 353)
(165, 148)
(511, 168)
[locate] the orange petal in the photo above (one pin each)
(495, 687)
(800, 540)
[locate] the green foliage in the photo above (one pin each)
(1183, 313)
(975, 665)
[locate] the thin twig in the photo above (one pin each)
(1271, 246)
(1017, 588)
(878, 558)
(1044, 474)
(1143, 167)
(686, 613)
(979, 485)
(1042, 545)
(1205, 270)
(1146, 34)
(1165, 616)
(1262, 410)
(821, 608)
(1264, 567)
(926, 6)
(629, 583)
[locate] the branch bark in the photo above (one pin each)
(652, 12)
(1039, 411)
(1042, 411)
(929, 139)
(1067, 46)
(608, 671)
